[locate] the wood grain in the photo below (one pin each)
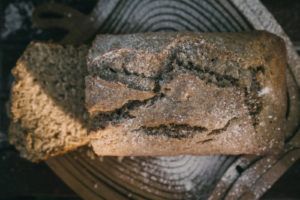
(182, 177)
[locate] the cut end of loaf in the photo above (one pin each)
(47, 113)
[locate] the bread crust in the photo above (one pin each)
(214, 93)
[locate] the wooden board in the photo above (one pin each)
(182, 177)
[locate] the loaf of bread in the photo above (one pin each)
(151, 94)
(186, 93)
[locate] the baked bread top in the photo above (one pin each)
(187, 93)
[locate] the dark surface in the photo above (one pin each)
(287, 13)
(21, 179)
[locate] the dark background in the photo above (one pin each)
(20, 179)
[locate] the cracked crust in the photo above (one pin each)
(211, 93)
(106, 96)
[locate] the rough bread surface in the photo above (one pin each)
(47, 101)
(186, 93)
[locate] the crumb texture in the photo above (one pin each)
(47, 103)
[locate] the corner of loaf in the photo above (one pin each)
(47, 113)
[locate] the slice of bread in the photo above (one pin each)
(47, 101)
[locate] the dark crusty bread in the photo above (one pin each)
(47, 101)
(187, 93)
(151, 94)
